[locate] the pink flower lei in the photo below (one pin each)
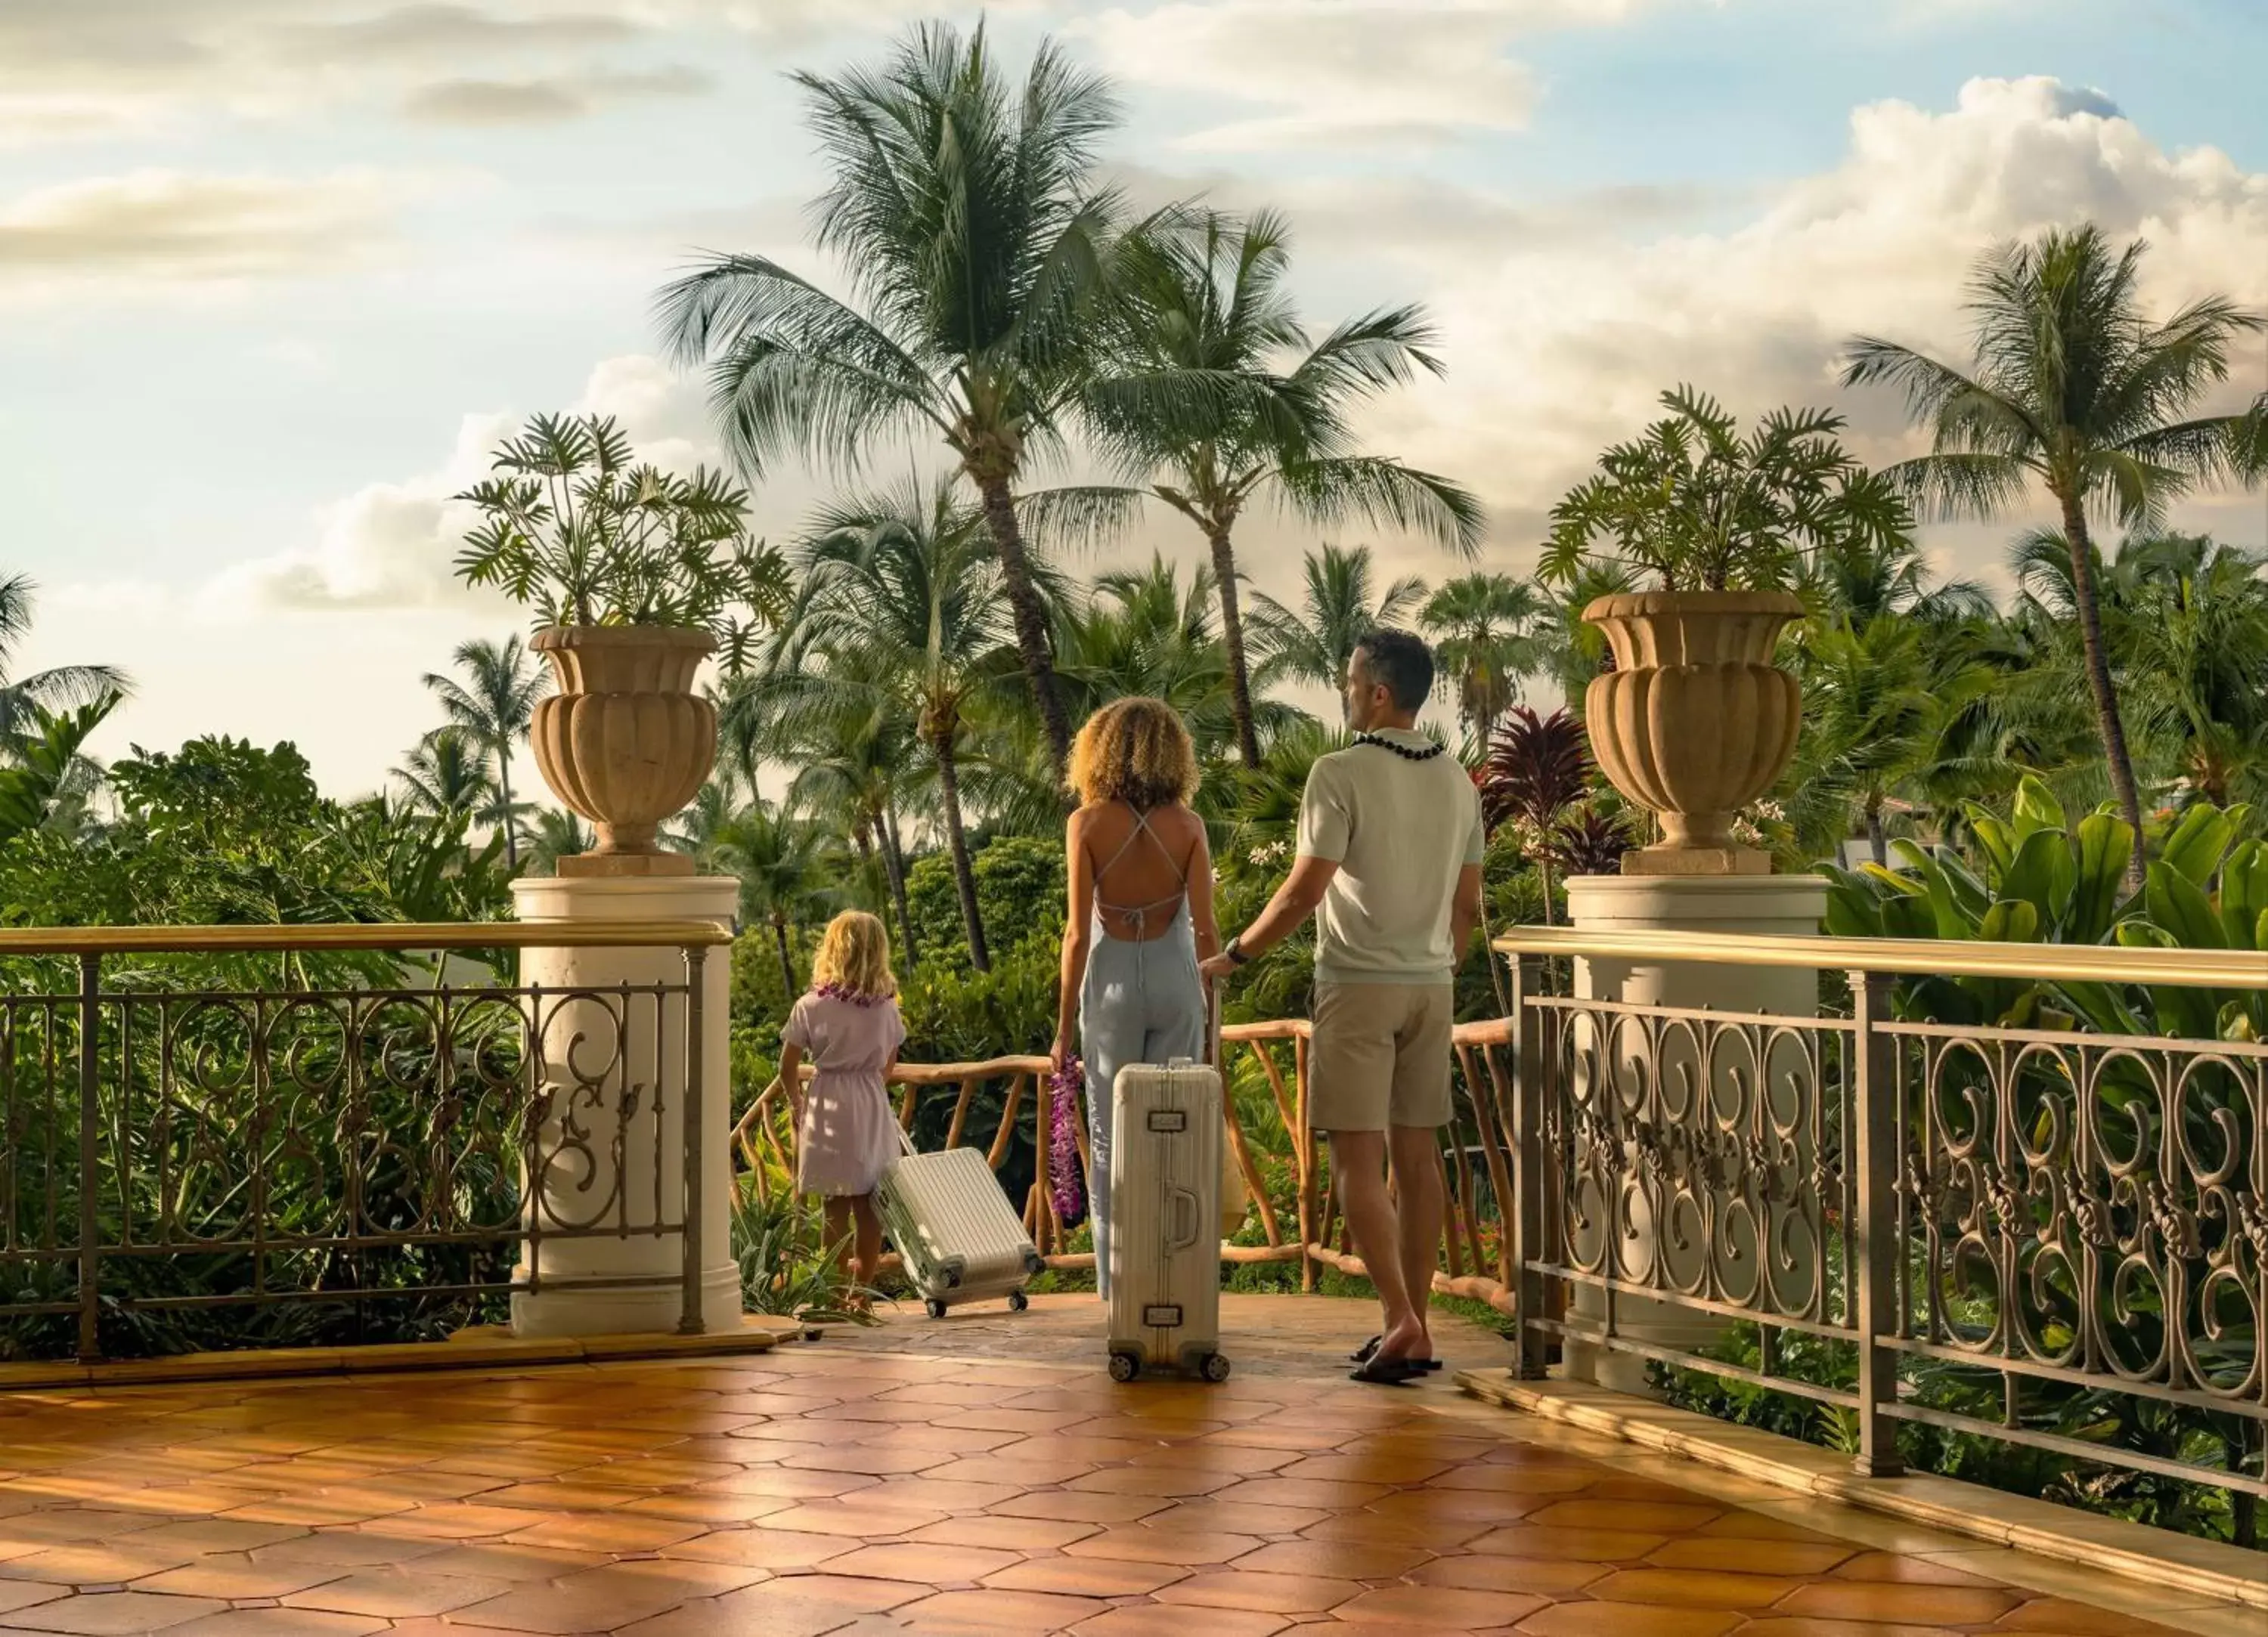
(845, 992)
(1062, 1141)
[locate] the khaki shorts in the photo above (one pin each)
(1380, 1055)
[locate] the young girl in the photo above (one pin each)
(848, 1026)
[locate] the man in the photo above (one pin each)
(1389, 854)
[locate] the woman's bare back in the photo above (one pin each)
(1133, 872)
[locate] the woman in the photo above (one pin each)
(1140, 919)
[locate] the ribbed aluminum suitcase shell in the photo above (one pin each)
(958, 1237)
(1164, 1192)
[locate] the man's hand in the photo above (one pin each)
(1214, 970)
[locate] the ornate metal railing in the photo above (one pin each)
(335, 1123)
(1981, 1229)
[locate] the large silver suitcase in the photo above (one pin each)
(1167, 1129)
(957, 1235)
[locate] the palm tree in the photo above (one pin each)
(2072, 387)
(492, 708)
(978, 241)
(786, 871)
(1874, 701)
(556, 835)
(694, 830)
(1336, 609)
(2185, 621)
(48, 782)
(64, 689)
(1485, 636)
(1212, 299)
(855, 754)
(907, 602)
(1143, 632)
(445, 772)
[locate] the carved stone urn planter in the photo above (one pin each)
(1695, 721)
(625, 741)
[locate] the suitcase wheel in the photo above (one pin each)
(936, 1308)
(1018, 1301)
(1124, 1367)
(1215, 1367)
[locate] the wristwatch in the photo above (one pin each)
(1235, 952)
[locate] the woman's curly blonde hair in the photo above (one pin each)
(854, 955)
(1134, 751)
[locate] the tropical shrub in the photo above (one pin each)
(2043, 879)
(1019, 893)
(1692, 503)
(571, 526)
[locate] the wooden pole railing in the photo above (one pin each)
(1475, 1254)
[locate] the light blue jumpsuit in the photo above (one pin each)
(1142, 1002)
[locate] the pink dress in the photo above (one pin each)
(849, 1136)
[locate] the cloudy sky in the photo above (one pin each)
(276, 274)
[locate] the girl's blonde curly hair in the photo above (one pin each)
(854, 955)
(1134, 751)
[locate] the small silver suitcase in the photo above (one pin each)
(956, 1232)
(1167, 1129)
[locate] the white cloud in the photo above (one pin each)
(390, 545)
(76, 68)
(155, 227)
(665, 410)
(548, 101)
(1348, 70)
(1559, 346)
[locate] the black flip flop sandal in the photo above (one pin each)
(1378, 1372)
(1369, 1351)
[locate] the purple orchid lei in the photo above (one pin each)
(1062, 1141)
(844, 991)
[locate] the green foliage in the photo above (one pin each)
(1020, 894)
(957, 1015)
(786, 1266)
(2045, 880)
(571, 527)
(46, 753)
(1701, 508)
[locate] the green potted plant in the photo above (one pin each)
(1694, 720)
(636, 575)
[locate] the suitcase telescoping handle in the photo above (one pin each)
(1212, 1027)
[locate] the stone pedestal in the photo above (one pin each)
(1770, 905)
(649, 1170)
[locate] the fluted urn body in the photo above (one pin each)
(1695, 721)
(625, 741)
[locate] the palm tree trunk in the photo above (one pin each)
(1032, 638)
(894, 864)
(862, 837)
(964, 878)
(504, 787)
(2098, 678)
(1875, 837)
(1232, 638)
(787, 961)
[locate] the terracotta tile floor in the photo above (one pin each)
(978, 1475)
